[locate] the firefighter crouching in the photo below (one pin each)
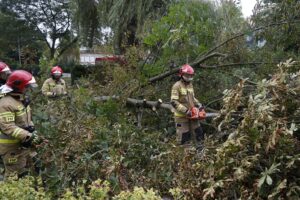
(187, 108)
(54, 86)
(17, 134)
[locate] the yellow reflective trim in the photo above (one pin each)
(6, 113)
(20, 113)
(12, 160)
(181, 106)
(175, 97)
(8, 117)
(183, 91)
(9, 141)
(179, 114)
(16, 132)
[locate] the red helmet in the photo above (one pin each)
(19, 80)
(56, 70)
(4, 67)
(186, 69)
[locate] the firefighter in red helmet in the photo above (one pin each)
(55, 86)
(4, 72)
(184, 102)
(17, 134)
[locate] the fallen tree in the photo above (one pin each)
(210, 54)
(154, 105)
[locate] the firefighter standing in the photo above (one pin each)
(4, 72)
(183, 100)
(17, 134)
(55, 86)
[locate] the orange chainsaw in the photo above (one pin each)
(197, 113)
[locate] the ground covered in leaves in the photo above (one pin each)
(96, 150)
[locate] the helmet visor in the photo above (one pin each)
(57, 74)
(32, 83)
(6, 69)
(5, 73)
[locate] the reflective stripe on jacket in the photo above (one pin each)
(51, 86)
(182, 98)
(14, 116)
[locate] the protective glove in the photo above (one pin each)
(199, 105)
(33, 140)
(201, 108)
(188, 113)
(30, 129)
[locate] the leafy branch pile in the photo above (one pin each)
(260, 158)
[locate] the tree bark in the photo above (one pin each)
(154, 105)
(193, 64)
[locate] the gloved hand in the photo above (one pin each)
(188, 113)
(30, 129)
(33, 140)
(199, 105)
(201, 108)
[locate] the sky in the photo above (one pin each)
(247, 7)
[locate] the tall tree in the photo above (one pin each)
(51, 19)
(86, 16)
(20, 44)
(128, 17)
(286, 36)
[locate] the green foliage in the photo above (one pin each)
(26, 189)
(282, 37)
(20, 42)
(185, 32)
(138, 194)
(49, 20)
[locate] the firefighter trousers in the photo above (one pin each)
(188, 131)
(17, 162)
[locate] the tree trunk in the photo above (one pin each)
(154, 105)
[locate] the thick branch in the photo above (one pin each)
(154, 105)
(173, 71)
(68, 46)
(201, 60)
(234, 64)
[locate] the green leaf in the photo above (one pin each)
(269, 180)
(261, 181)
